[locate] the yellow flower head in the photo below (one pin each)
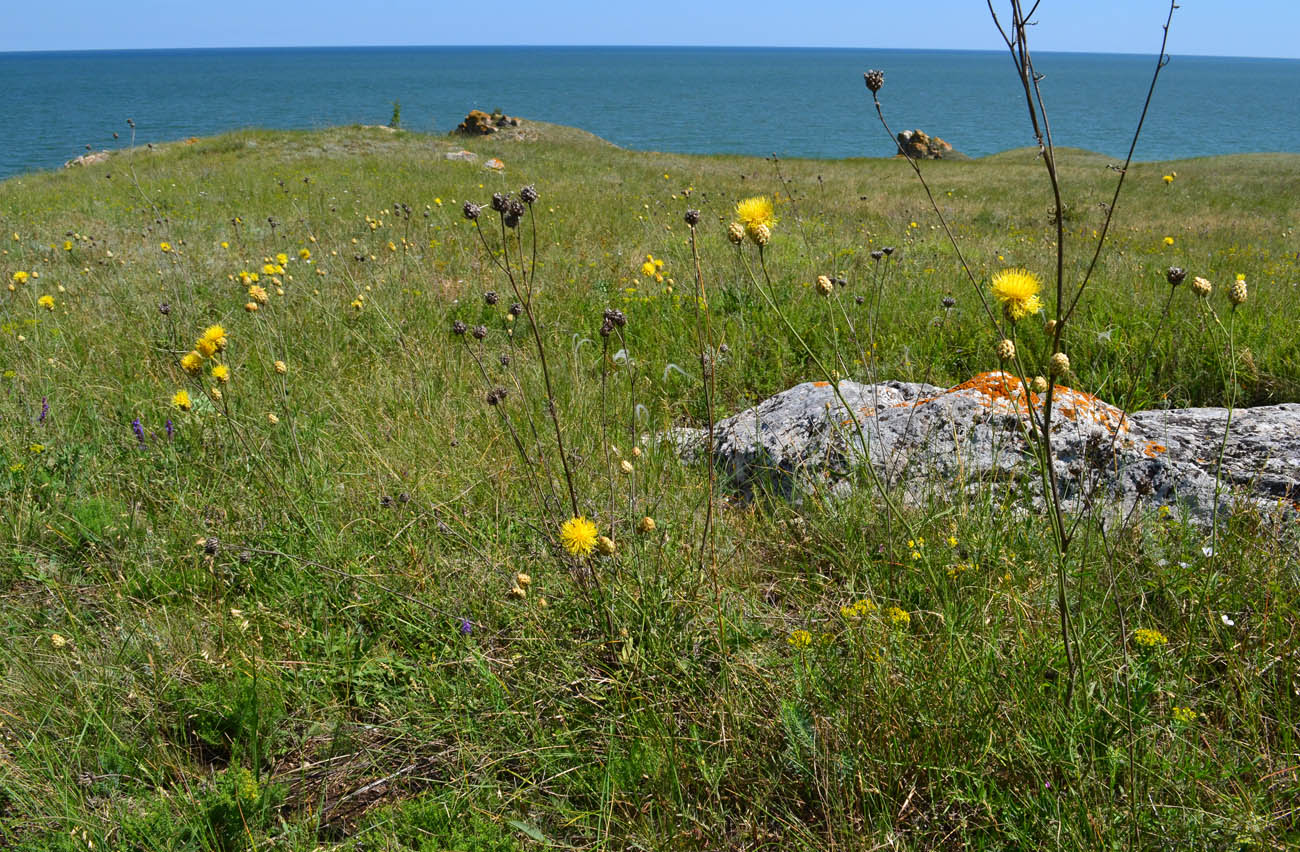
(191, 362)
(281, 259)
(165, 246)
(898, 617)
(752, 212)
(216, 335)
(1185, 715)
(1148, 638)
(20, 277)
(800, 639)
(304, 253)
(578, 536)
(46, 301)
(206, 348)
(1017, 290)
(181, 399)
(221, 373)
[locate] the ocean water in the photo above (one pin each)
(791, 102)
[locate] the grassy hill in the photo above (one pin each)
(289, 615)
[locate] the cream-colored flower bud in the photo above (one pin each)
(1050, 327)
(1201, 287)
(761, 234)
(281, 367)
(1059, 364)
(1006, 350)
(647, 525)
(523, 580)
(1040, 384)
(626, 467)
(735, 232)
(1237, 292)
(824, 285)
(518, 592)
(605, 545)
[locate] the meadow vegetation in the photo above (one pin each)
(334, 596)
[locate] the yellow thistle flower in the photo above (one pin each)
(181, 399)
(206, 348)
(755, 211)
(304, 254)
(578, 536)
(192, 362)
(20, 277)
(46, 301)
(1017, 290)
(216, 335)
(165, 246)
(221, 373)
(281, 258)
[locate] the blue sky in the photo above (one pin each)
(1213, 27)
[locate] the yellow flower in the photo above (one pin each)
(225, 245)
(221, 373)
(1148, 638)
(46, 301)
(1167, 179)
(1017, 290)
(800, 639)
(165, 246)
(752, 212)
(181, 399)
(206, 348)
(1185, 715)
(191, 362)
(578, 536)
(281, 259)
(1169, 241)
(859, 609)
(36, 448)
(216, 335)
(257, 293)
(304, 253)
(67, 245)
(20, 277)
(281, 367)
(648, 268)
(898, 617)
(268, 269)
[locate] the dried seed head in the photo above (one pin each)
(615, 316)
(692, 217)
(948, 302)
(491, 297)
(1202, 287)
(164, 308)
(736, 232)
(824, 285)
(529, 194)
(504, 359)
(1059, 364)
(859, 300)
(516, 309)
(1237, 292)
(1175, 275)
(606, 328)
(874, 80)
(1006, 350)
(517, 208)
(479, 332)
(626, 467)
(458, 328)
(511, 220)
(500, 203)
(888, 250)
(471, 210)
(211, 545)
(877, 254)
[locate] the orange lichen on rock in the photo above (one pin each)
(1151, 448)
(1004, 392)
(821, 384)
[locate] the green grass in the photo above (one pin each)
(304, 681)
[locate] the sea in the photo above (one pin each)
(796, 102)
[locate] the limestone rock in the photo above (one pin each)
(933, 442)
(919, 145)
(87, 159)
(480, 123)
(464, 156)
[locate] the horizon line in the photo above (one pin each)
(36, 51)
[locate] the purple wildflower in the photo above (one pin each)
(45, 409)
(138, 428)
(466, 627)
(169, 428)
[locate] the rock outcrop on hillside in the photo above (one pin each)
(935, 442)
(480, 123)
(919, 145)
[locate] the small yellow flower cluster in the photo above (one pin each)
(1185, 715)
(1145, 637)
(653, 268)
(800, 639)
(898, 617)
(860, 609)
